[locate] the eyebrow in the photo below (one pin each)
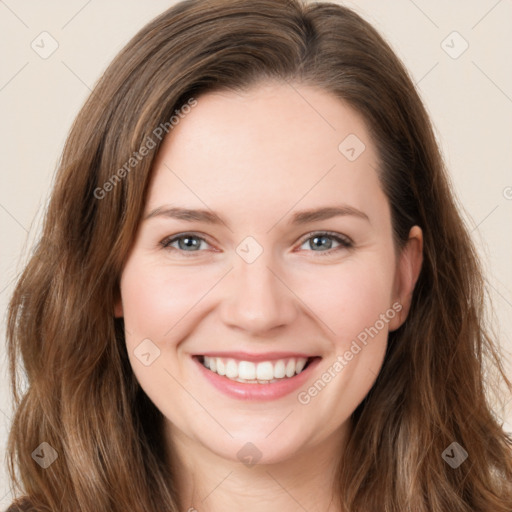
(298, 218)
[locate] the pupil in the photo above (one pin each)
(324, 241)
(189, 242)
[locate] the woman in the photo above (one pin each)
(185, 346)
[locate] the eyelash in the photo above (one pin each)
(345, 242)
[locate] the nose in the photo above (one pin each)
(257, 298)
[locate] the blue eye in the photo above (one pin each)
(186, 242)
(324, 242)
(191, 243)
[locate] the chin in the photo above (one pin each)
(250, 448)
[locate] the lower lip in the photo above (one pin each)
(262, 392)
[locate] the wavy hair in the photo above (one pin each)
(81, 396)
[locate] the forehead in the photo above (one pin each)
(274, 145)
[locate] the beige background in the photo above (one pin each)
(469, 98)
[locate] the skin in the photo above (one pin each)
(256, 159)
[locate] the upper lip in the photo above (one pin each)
(267, 356)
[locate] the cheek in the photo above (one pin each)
(356, 310)
(351, 297)
(155, 299)
(157, 305)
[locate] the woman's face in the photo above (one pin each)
(266, 244)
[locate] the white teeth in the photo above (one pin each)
(221, 369)
(265, 371)
(279, 370)
(249, 372)
(231, 369)
(300, 365)
(290, 368)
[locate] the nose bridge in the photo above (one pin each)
(257, 300)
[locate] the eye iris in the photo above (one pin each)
(323, 242)
(187, 242)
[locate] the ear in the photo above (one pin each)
(407, 273)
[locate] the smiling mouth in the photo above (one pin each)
(263, 372)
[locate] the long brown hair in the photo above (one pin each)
(82, 397)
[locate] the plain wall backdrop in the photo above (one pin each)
(458, 53)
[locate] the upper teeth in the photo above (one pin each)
(249, 371)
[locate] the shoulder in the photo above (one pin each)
(20, 505)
